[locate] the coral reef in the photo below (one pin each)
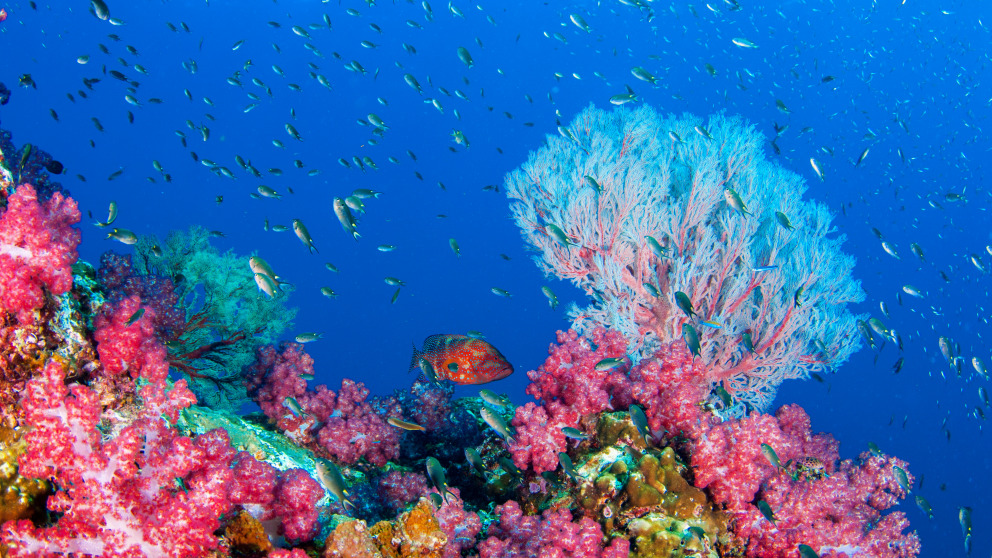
(650, 454)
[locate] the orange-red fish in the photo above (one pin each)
(462, 359)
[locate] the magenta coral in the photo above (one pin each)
(459, 525)
(37, 249)
(570, 387)
(127, 347)
(841, 513)
(296, 497)
(341, 425)
(551, 535)
(428, 404)
(120, 280)
(350, 428)
(569, 373)
(276, 375)
(399, 488)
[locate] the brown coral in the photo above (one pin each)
(415, 533)
(246, 535)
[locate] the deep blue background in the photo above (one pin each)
(924, 64)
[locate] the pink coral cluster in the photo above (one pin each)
(120, 497)
(342, 425)
(817, 499)
(267, 493)
(37, 249)
(351, 429)
(276, 375)
(830, 513)
(120, 280)
(399, 488)
(552, 535)
(127, 347)
(570, 387)
(459, 525)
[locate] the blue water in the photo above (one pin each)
(910, 62)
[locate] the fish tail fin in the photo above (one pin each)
(415, 359)
(356, 235)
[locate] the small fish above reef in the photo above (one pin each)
(462, 359)
(404, 425)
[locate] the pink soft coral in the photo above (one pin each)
(552, 535)
(37, 249)
(120, 498)
(569, 387)
(461, 526)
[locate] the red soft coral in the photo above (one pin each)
(37, 249)
(120, 498)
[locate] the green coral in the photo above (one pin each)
(224, 310)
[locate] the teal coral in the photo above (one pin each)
(220, 297)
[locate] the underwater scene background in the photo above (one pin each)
(760, 222)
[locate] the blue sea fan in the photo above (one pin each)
(593, 201)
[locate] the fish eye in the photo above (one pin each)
(453, 366)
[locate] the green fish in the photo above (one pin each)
(566, 465)
(771, 456)
(595, 184)
(497, 424)
(724, 396)
(475, 461)
(436, 475)
(652, 290)
(683, 302)
(766, 511)
(656, 247)
(489, 396)
(559, 235)
(552, 297)
(734, 201)
(902, 478)
(691, 339)
(640, 421)
(574, 433)
(806, 551)
(435, 499)
(747, 341)
(135, 317)
(609, 363)
(331, 478)
(783, 220)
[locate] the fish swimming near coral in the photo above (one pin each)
(462, 359)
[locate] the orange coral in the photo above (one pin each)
(415, 533)
(246, 534)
